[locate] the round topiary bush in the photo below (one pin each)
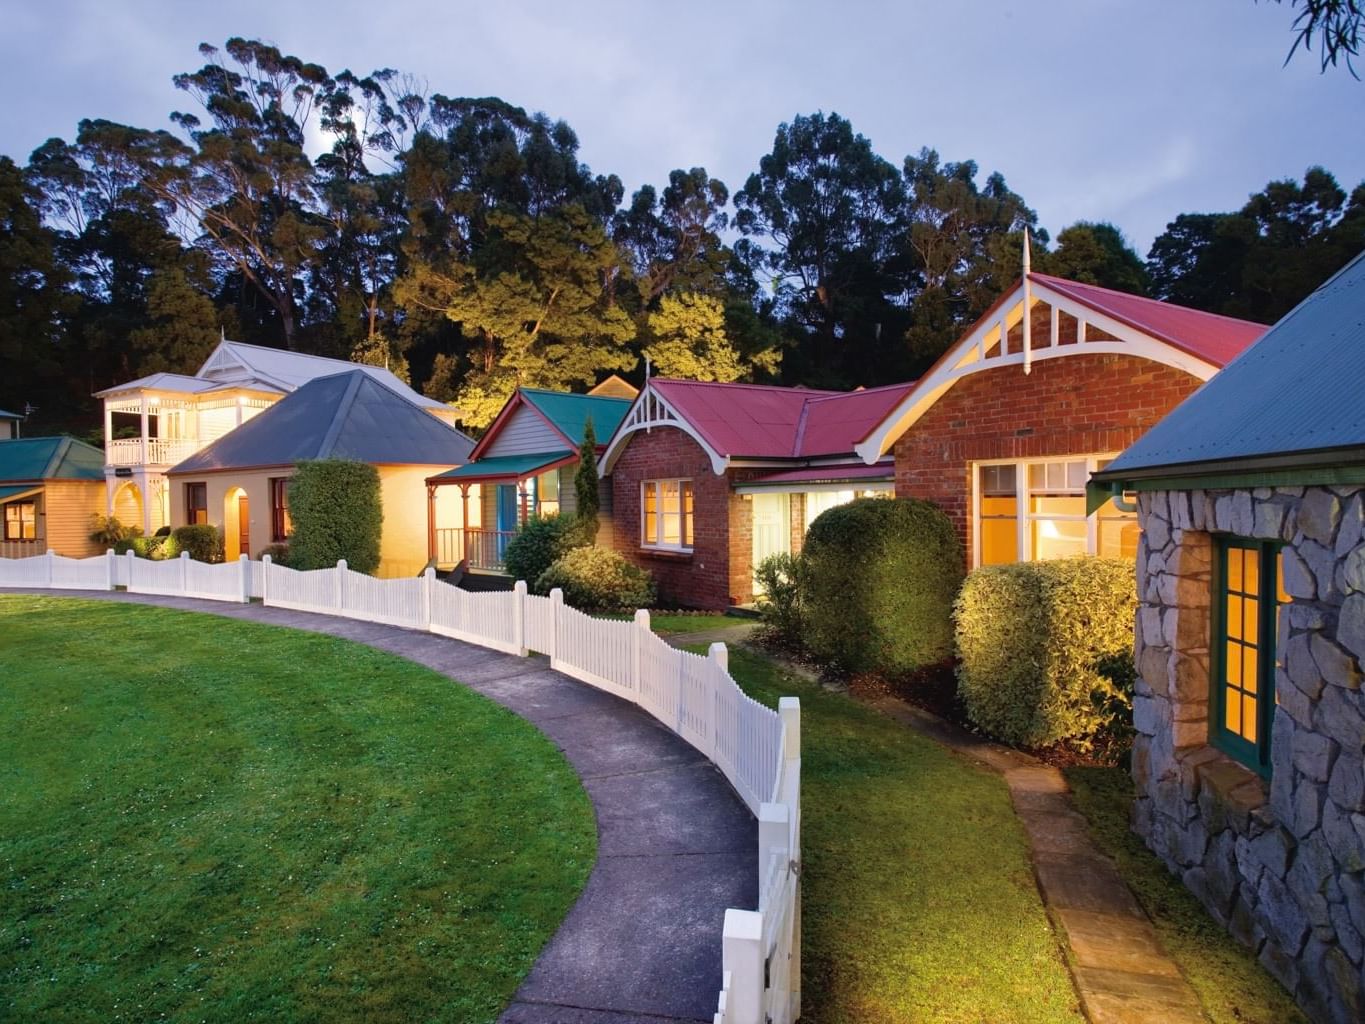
(880, 578)
(595, 579)
(203, 542)
(1046, 648)
(538, 544)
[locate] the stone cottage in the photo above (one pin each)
(1250, 756)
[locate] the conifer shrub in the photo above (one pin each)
(203, 542)
(1046, 649)
(880, 579)
(597, 579)
(538, 544)
(337, 511)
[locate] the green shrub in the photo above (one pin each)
(337, 513)
(1046, 648)
(153, 548)
(538, 545)
(782, 579)
(203, 542)
(585, 483)
(279, 553)
(880, 578)
(109, 532)
(162, 531)
(596, 579)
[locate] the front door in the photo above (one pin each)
(507, 517)
(243, 526)
(772, 527)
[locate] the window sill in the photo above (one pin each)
(1228, 792)
(666, 554)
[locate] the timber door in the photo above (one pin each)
(771, 527)
(243, 526)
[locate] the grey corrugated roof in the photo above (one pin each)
(1299, 389)
(346, 416)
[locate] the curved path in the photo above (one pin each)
(676, 847)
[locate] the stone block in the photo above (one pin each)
(1272, 850)
(1352, 529)
(1185, 734)
(1268, 520)
(1302, 669)
(1169, 801)
(1222, 513)
(1337, 665)
(1323, 564)
(1353, 892)
(1337, 715)
(1180, 517)
(1346, 844)
(1242, 925)
(1299, 581)
(1319, 514)
(1346, 933)
(1307, 616)
(1158, 531)
(1351, 625)
(1347, 786)
(1228, 793)
(1308, 799)
(1190, 764)
(1345, 985)
(1242, 520)
(1221, 874)
(1313, 754)
(1284, 918)
(1193, 844)
(1292, 701)
(1150, 714)
(1170, 624)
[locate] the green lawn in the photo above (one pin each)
(918, 897)
(204, 820)
(1232, 986)
(665, 623)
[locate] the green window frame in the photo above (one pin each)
(1247, 595)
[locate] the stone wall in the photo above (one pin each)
(1280, 863)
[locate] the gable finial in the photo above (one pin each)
(1028, 314)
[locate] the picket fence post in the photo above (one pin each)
(719, 656)
(556, 603)
(184, 572)
(51, 567)
(741, 955)
(129, 566)
(266, 561)
(774, 837)
(638, 668)
(428, 581)
(789, 711)
(244, 577)
(341, 584)
(110, 568)
(519, 617)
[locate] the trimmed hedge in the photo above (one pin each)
(782, 604)
(880, 578)
(203, 542)
(1039, 643)
(337, 513)
(596, 579)
(279, 553)
(537, 546)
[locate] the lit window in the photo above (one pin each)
(281, 525)
(999, 515)
(1248, 596)
(196, 504)
(547, 493)
(666, 514)
(21, 520)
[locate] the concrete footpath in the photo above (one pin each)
(676, 847)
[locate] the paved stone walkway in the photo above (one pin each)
(1122, 974)
(676, 847)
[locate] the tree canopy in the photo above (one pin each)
(464, 244)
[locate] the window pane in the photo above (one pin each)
(1249, 657)
(1232, 719)
(1232, 668)
(1235, 569)
(1251, 571)
(672, 519)
(1037, 476)
(1118, 538)
(999, 541)
(1058, 506)
(1234, 617)
(651, 508)
(687, 513)
(547, 486)
(1249, 718)
(1076, 475)
(1250, 609)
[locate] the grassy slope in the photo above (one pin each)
(1231, 984)
(220, 821)
(918, 899)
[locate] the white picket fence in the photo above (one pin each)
(758, 750)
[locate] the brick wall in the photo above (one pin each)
(718, 568)
(1076, 405)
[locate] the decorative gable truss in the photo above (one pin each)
(652, 410)
(1058, 326)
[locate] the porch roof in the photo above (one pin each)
(790, 479)
(19, 491)
(29, 459)
(503, 468)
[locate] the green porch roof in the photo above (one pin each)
(13, 492)
(505, 467)
(569, 413)
(49, 458)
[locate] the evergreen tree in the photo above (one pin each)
(585, 484)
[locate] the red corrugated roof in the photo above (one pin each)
(760, 421)
(1215, 339)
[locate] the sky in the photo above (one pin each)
(1130, 111)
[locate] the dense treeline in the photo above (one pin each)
(463, 244)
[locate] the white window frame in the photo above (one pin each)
(660, 514)
(1024, 517)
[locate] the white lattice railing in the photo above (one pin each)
(159, 451)
(757, 749)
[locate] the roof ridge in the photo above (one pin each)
(786, 388)
(329, 439)
(1145, 298)
(864, 391)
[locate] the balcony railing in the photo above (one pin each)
(160, 451)
(483, 548)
